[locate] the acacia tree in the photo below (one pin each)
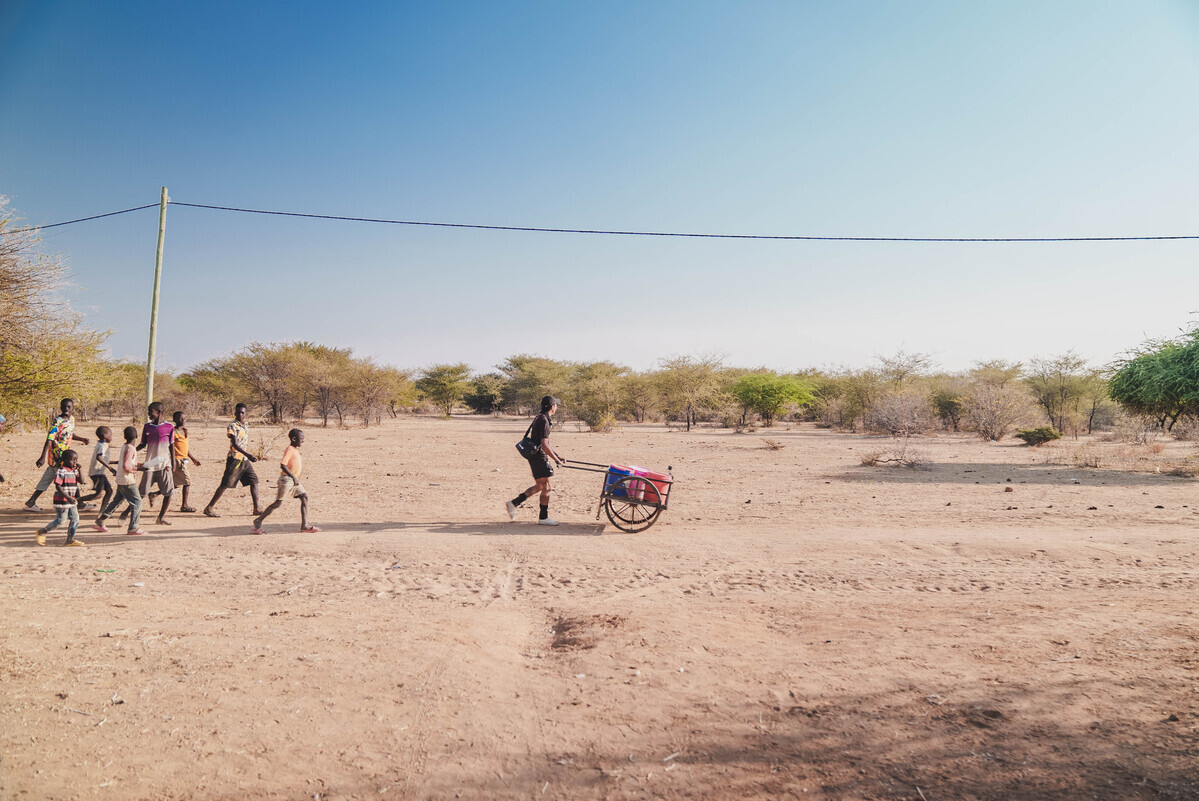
(639, 395)
(770, 395)
(374, 387)
(444, 385)
(329, 375)
(593, 392)
(486, 394)
(689, 385)
(1160, 380)
(45, 350)
(1058, 384)
(530, 378)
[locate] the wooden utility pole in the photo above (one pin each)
(162, 231)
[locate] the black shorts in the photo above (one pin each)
(238, 470)
(100, 484)
(541, 465)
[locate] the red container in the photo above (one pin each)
(660, 482)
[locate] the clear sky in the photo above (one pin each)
(794, 118)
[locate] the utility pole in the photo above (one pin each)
(162, 232)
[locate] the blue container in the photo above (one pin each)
(615, 473)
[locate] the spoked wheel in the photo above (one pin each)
(633, 504)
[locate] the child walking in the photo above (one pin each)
(58, 439)
(239, 464)
(127, 470)
(183, 458)
(158, 439)
(96, 467)
(66, 499)
(291, 467)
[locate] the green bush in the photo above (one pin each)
(1038, 436)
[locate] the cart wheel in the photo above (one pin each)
(636, 504)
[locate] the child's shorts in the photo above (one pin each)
(288, 489)
(101, 484)
(238, 470)
(160, 478)
(183, 476)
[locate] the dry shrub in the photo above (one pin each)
(1186, 429)
(901, 413)
(773, 445)
(902, 455)
(1135, 429)
(1088, 456)
(993, 410)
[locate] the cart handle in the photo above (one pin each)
(593, 467)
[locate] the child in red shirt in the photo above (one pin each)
(66, 499)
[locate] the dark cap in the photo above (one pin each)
(549, 401)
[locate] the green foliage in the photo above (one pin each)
(639, 396)
(530, 378)
(1037, 436)
(1071, 393)
(947, 401)
(770, 395)
(445, 385)
(593, 392)
(1161, 380)
(486, 395)
(689, 386)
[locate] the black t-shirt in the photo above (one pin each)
(541, 429)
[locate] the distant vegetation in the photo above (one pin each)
(46, 352)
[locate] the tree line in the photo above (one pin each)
(47, 352)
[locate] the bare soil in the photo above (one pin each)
(796, 625)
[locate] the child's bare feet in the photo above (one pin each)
(163, 521)
(209, 513)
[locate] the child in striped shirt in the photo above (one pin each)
(66, 499)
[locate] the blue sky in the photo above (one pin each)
(884, 119)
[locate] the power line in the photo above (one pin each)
(602, 232)
(695, 235)
(81, 219)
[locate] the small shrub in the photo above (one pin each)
(773, 445)
(604, 424)
(1186, 428)
(1037, 436)
(1087, 456)
(902, 455)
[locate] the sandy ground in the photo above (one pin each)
(795, 626)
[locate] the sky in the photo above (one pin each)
(933, 119)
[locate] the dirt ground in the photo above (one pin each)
(796, 625)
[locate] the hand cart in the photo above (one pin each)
(631, 500)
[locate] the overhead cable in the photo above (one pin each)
(81, 219)
(696, 235)
(603, 232)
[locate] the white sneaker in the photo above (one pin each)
(549, 521)
(511, 510)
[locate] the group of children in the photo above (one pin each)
(166, 466)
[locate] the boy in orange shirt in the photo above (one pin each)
(291, 467)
